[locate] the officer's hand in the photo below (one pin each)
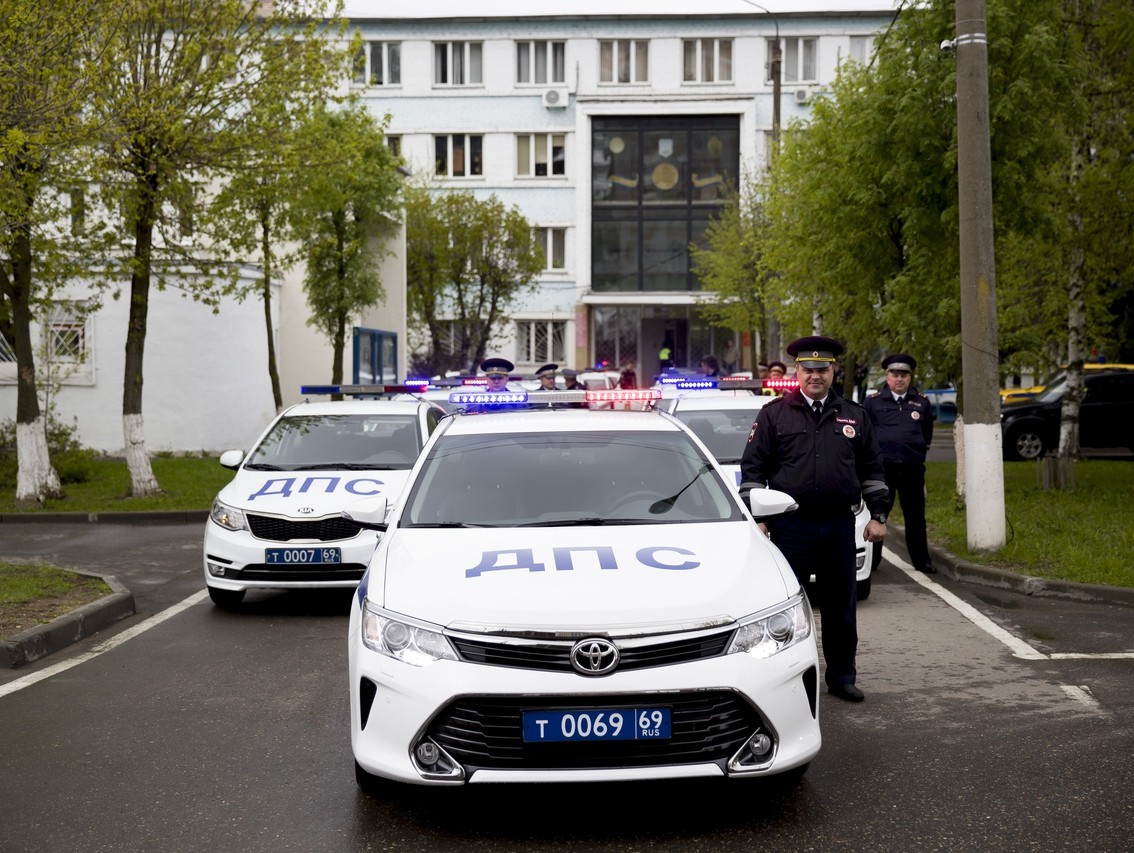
(874, 532)
(763, 529)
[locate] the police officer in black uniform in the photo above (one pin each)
(903, 421)
(497, 371)
(821, 450)
(546, 377)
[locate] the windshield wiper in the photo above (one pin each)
(263, 466)
(589, 521)
(448, 524)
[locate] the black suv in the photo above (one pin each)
(1031, 428)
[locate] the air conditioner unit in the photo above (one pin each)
(555, 99)
(802, 96)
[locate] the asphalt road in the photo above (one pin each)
(228, 731)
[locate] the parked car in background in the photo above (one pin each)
(1031, 427)
(1019, 395)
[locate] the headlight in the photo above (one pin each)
(769, 634)
(228, 517)
(398, 638)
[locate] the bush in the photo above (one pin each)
(73, 462)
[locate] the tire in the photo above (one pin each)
(792, 777)
(227, 599)
(863, 591)
(1024, 444)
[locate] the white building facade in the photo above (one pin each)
(614, 128)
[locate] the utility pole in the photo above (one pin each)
(980, 362)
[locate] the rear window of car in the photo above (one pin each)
(724, 431)
(542, 478)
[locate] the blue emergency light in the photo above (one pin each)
(695, 384)
(481, 398)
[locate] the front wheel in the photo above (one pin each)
(1023, 444)
(863, 591)
(228, 599)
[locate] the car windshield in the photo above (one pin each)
(563, 479)
(724, 431)
(1054, 391)
(364, 441)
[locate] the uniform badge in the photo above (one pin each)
(915, 415)
(848, 431)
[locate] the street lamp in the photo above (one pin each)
(776, 69)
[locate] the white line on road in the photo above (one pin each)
(1081, 694)
(113, 642)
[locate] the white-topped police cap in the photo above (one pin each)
(547, 370)
(900, 362)
(815, 351)
(497, 367)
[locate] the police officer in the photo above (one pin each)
(571, 378)
(497, 371)
(820, 448)
(903, 421)
(546, 377)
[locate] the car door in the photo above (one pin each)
(1106, 411)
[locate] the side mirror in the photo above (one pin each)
(368, 512)
(232, 459)
(768, 503)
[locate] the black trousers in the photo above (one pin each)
(907, 485)
(824, 546)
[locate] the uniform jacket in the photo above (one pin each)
(827, 465)
(905, 432)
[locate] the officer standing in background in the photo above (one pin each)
(820, 448)
(903, 421)
(546, 377)
(497, 371)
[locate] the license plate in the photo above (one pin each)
(597, 724)
(301, 556)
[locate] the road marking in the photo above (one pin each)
(1092, 656)
(1081, 694)
(101, 648)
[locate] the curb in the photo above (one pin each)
(172, 516)
(42, 640)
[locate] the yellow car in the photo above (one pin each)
(1018, 395)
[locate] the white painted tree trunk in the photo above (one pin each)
(142, 480)
(984, 498)
(36, 480)
(959, 450)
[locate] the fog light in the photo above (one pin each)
(760, 744)
(860, 560)
(216, 570)
(428, 753)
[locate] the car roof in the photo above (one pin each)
(720, 400)
(352, 406)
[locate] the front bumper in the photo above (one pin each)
(471, 714)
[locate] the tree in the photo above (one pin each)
(468, 260)
(41, 97)
(350, 200)
(180, 84)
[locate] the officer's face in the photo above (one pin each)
(815, 382)
(898, 380)
(497, 381)
(547, 382)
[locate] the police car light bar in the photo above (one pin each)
(484, 398)
(475, 380)
(416, 382)
(740, 383)
(626, 395)
(356, 390)
(694, 384)
(786, 384)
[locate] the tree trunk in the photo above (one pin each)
(142, 481)
(266, 295)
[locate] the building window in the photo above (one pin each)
(707, 61)
(378, 63)
(458, 155)
(78, 211)
(624, 61)
(458, 63)
(861, 48)
(540, 154)
(553, 241)
(394, 143)
(540, 341)
(541, 61)
(800, 60)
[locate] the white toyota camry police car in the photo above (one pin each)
(723, 421)
(564, 594)
(278, 524)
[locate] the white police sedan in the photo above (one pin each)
(723, 421)
(278, 524)
(564, 594)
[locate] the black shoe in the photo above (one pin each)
(846, 691)
(929, 570)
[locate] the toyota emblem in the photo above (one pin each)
(594, 656)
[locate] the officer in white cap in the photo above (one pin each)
(903, 420)
(820, 448)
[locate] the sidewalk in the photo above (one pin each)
(43, 640)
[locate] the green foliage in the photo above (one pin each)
(1071, 535)
(72, 462)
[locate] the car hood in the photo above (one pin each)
(308, 494)
(578, 578)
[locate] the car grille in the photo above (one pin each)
(286, 529)
(556, 656)
(298, 574)
(487, 733)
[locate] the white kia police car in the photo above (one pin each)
(564, 594)
(723, 421)
(278, 524)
